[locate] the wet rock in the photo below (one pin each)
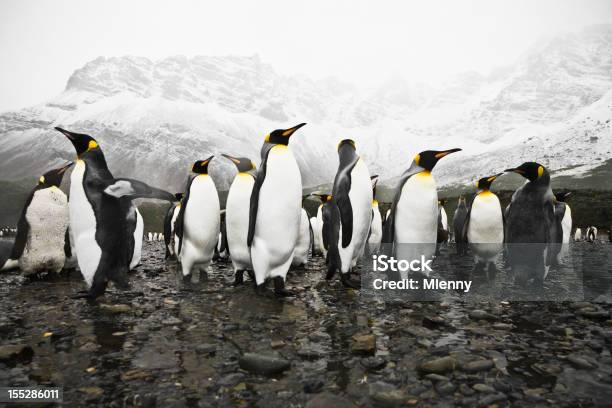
(263, 364)
(363, 344)
(477, 366)
(12, 354)
(135, 375)
(586, 385)
(89, 347)
(373, 363)
(503, 326)
(535, 394)
(206, 348)
(116, 308)
(275, 344)
(594, 314)
(312, 386)
(445, 388)
(478, 314)
(483, 388)
(171, 321)
(438, 365)
(436, 377)
(329, 400)
(386, 395)
(92, 393)
(579, 362)
(230, 379)
(491, 399)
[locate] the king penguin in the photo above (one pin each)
(275, 211)
(136, 224)
(484, 225)
(375, 237)
(351, 213)
(169, 221)
(99, 208)
(318, 227)
(237, 216)
(563, 213)
(530, 224)
(198, 222)
(305, 241)
(40, 244)
(413, 220)
(459, 218)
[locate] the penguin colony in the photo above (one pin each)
(264, 229)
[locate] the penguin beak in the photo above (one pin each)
(227, 156)
(66, 133)
(66, 167)
(209, 159)
(518, 171)
(291, 131)
(441, 154)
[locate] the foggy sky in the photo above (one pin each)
(43, 42)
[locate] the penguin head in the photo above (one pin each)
(322, 197)
(562, 196)
(82, 143)
(532, 171)
(53, 178)
(485, 182)
(429, 158)
(201, 166)
(179, 196)
(281, 136)
(349, 143)
(461, 201)
(442, 202)
(243, 164)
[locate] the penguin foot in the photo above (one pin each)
(348, 282)
(239, 278)
(279, 288)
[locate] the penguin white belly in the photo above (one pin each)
(486, 223)
(566, 224)
(200, 224)
(278, 216)
(302, 246)
(416, 219)
(83, 223)
(578, 235)
(486, 228)
(319, 231)
(47, 216)
(315, 226)
(237, 221)
(137, 240)
(360, 195)
(375, 230)
(443, 219)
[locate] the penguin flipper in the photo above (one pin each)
(466, 223)
(552, 233)
(23, 229)
(326, 227)
(340, 195)
(130, 188)
(254, 204)
(389, 229)
(312, 244)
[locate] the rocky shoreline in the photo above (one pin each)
(171, 343)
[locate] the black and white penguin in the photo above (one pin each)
(563, 213)
(414, 212)
(198, 222)
(375, 237)
(484, 225)
(578, 235)
(591, 234)
(459, 219)
(351, 213)
(99, 209)
(443, 232)
(169, 221)
(275, 211)
(318, 226)
(40, 244)
(136, 225)
(530, 224)
(237, 210)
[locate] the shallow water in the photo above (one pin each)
(178, 343)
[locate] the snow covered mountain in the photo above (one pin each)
(154, 118)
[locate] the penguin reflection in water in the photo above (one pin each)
(103, 217)
(530, 225)
(42, 242)
(275, 211)
(413, 221)
(198, 222)
(351, 214)
(483, 229)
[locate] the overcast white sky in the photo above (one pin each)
(43, 42)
